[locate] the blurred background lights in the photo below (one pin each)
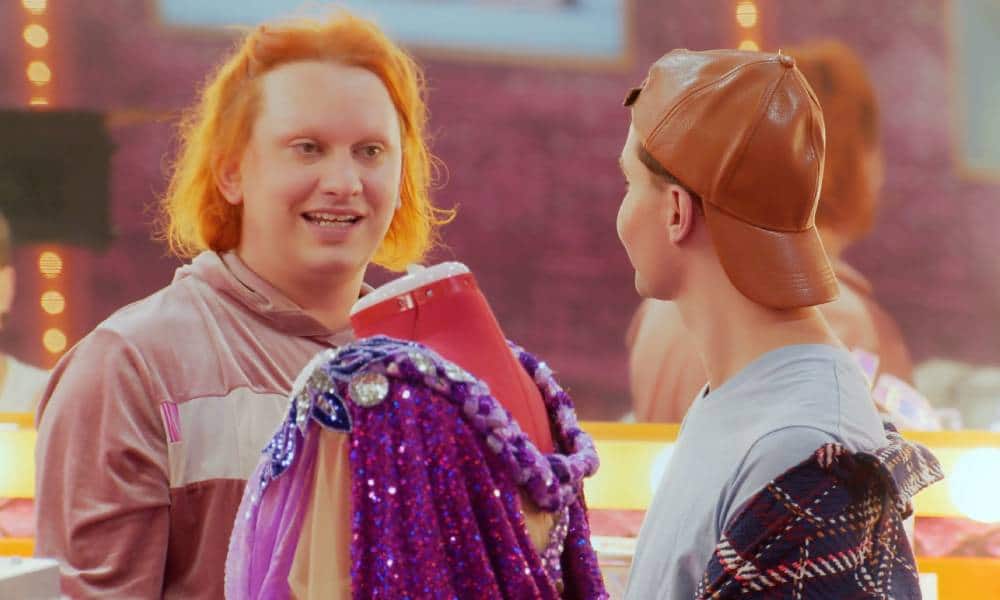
(746, 14)
(50, 264)
(53, 302)
(36, 36)
(39, 72)
(35, 7)
(974, 485)
(54, 340)
(749, 45)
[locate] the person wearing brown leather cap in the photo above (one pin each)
(665, 373)
(724, 162)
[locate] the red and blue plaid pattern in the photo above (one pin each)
(831, 527)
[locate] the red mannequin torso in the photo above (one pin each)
(443, 308)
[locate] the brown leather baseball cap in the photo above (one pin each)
(745, 132)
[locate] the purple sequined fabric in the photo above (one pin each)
(436, 467)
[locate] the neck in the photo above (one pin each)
(330, 306)
(730, 331)
(326, 297)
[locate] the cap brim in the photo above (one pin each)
(777, 269)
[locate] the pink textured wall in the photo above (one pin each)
(531, 167)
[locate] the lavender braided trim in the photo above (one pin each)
(553, 481)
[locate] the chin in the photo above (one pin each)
(335, 263)
(640, 286)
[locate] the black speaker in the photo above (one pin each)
(54, 170)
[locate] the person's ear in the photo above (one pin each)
(682, 210)
(229, 180)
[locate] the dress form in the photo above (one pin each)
(443, 308)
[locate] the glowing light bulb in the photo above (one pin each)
(749, 45)
(36, 36)
(39, 72)
(746, 14)
(50, 264)
(53, 302)
(35, 7)
(54, 340)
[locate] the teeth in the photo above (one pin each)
(329, 219)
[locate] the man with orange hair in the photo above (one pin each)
(665, 372)
(304, 162)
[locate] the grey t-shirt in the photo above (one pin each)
(766, 419)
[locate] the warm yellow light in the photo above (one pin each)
(50, 264)
(746, 14)
(39, 101)
(749, 45)
(35, 7)
(36, 36)
(54, 340)
(973, 484)
(39, 73)
(53, 302)
(636, 463)
(17, 463)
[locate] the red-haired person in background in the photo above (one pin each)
(665, 371)
(303, 162)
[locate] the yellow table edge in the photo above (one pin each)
(667, 432)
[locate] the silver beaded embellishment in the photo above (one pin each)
(369, 389)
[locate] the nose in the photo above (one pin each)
(340, 176)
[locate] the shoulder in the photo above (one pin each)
(812, 385)
(770, 456)
(831, 505)
(175, 306)
(788, 440)
(124, 349)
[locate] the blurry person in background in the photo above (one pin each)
(21, 385)
(665, 372)
(303, 162)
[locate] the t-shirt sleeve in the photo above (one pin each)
(769, 457)
(102, 491)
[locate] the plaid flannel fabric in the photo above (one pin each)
(831, 527)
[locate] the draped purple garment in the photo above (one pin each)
(436, 467)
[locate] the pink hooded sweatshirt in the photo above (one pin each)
(145, 439)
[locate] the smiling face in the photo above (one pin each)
(319, 179)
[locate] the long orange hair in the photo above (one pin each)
(196, 216)
(836, 73)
